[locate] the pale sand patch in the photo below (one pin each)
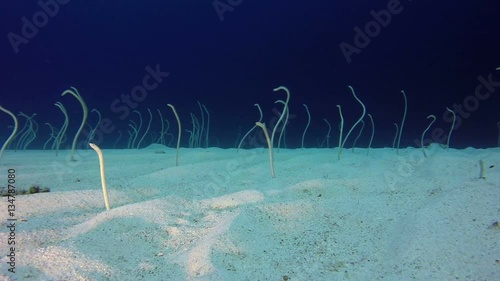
(219, 216)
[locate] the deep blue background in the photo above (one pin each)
(434, 50)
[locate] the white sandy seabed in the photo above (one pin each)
(220, 216)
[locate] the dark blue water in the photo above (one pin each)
(229, 55)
